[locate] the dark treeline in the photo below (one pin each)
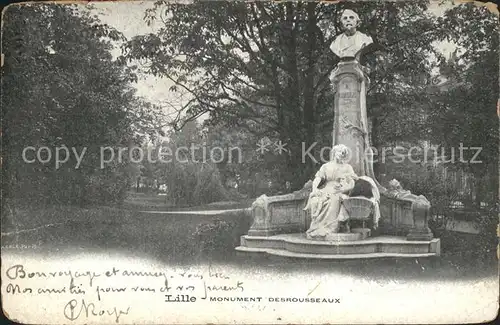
(257, 70)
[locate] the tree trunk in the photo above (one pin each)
(309, 121)
(293, 124)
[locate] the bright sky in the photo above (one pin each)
(128, 17)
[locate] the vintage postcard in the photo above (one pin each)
(253, 162)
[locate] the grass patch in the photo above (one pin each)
(154, 202)
(191, 238)
(146, 201)
(169, 237)
(33, 217)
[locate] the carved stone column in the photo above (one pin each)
(350, 125)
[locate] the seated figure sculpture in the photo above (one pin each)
(331, 183)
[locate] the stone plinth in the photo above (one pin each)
(338, 237)
(420, 229)
(354, 235)
(297, 245)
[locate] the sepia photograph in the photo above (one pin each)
(250, 162)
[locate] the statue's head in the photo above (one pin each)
(349, 21)
(340, 153)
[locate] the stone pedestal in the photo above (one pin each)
(297, 246)
(420, 229)
(350, 126)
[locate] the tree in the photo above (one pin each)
(265, 66)
(465, 115)
(61, 86)
(190, 173)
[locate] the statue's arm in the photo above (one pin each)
(350, 177)
(316, 182)
(318, 178)
(352, 174)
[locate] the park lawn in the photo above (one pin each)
(147, 201)
(193, 238)
(154, 202)
(27, 217)
(173, 237)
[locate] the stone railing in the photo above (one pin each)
(280, 214)
(404, 213)
(396, 216)
(285, 214)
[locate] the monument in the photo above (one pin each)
(308, 223)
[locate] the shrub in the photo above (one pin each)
(213, 236)
(221, 236)
(434, 188)
(197, 184)
(209, 187)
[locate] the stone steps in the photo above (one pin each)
(297, 245)
(284, 253)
